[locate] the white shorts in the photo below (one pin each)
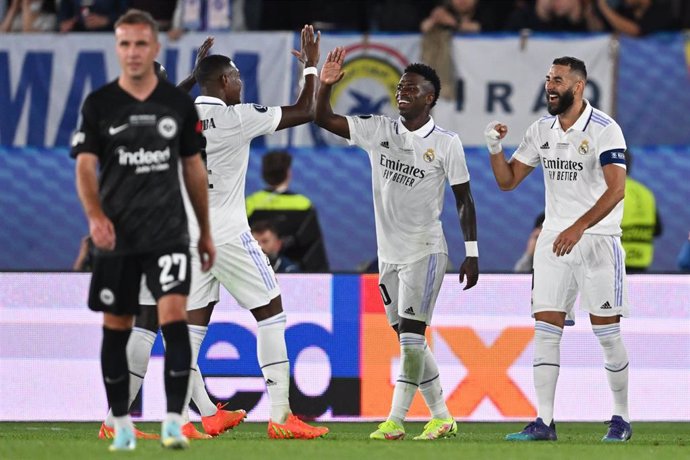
(410, 290)
(240, 266)
(595, 268)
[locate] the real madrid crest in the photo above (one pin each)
(584, 147)
(429, 155)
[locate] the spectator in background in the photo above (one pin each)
(394, 15)
(641, 223)
(638, 17)
(265, 233)
(445, 20)
(89, 15)
(684, 256)
(463, 16)
(161, 10)
(524, 263)
(29, 16)
(276, 171)
(215, 15)
(553, 16)
(292, 213)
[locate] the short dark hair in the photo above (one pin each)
(210, 68)
(261, 226)
(429, 75)
(275, 166)
(576, 65)
(134, 16)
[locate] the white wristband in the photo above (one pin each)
(310, 71)
(495, 149)
(471, 249)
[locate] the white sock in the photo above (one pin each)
(139, 348)
(271, 352)
(616, 364)
(411, 371)
(124, 421)
(173, 417)
(546, 366)
(430, 386)
(197, 388)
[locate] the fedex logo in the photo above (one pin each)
(338, 359)
(485, 365)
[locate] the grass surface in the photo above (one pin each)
(67, 441)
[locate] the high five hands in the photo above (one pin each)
(332, 70)
(309, 54)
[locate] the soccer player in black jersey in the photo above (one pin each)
(135, 131)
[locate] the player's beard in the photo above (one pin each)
(565, 101)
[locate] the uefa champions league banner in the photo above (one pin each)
(502, 78)
(45, 78)
(345, 357)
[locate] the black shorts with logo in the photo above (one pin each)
(116, 278)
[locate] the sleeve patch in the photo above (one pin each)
(612, 156)
(78, 138)
(260, 108)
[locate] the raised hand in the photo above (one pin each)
(332, 72)
(203, 50)
(310, 53)
(494, 132)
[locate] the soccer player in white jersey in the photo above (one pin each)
(411, 160)
(582, 152)
(243, 269)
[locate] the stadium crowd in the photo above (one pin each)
(630, 17)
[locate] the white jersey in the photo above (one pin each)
(572, 163)
(408, 175)
(228, 132)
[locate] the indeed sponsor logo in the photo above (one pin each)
(143, 157)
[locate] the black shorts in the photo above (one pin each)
(116, 278)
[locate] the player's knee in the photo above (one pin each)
(411, 326)
(273, 308)
(147, 318)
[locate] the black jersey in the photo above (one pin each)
(138, 144)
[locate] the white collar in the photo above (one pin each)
(581, 122)
(209, 100)
(424, 131)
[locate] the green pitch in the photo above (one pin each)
(68, 441)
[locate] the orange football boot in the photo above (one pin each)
(107, 432)
(294, 428)
(190, 432)
(222, 420)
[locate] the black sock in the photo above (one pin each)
(114, 369)
(178, 358)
